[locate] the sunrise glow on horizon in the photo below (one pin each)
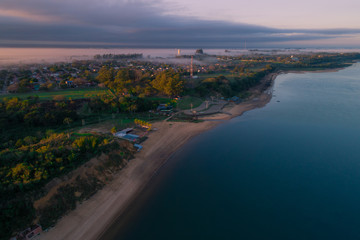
(172, 23)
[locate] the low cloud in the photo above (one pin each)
(134, 23)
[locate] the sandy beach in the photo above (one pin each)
(90, 219)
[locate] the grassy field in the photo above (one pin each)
(160, 99)
(185, 103)
(68, 93)
(230, 76)
(119, 121)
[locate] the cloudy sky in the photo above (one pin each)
(180, 23)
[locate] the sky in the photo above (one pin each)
(180, 23)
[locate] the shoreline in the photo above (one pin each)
(91, 219)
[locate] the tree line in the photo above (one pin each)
(227, 88)
(128, 82)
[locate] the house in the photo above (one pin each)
(69, 83)
(124, 134)
(164, 107)
(295, 59)
(36, 86)
(125, 131)
(54, 74)
(29, 233)
(130, 137)
(234, 99)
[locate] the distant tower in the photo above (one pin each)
(179, 52)
(191, 67)
(245, 44)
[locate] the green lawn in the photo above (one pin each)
(230, 76)
(68, 93)
(160, 99)
(82, 134)
(185, 102)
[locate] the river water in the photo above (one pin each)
(290, 170)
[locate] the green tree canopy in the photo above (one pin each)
(168, 83)
(106, 74)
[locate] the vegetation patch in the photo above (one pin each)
(69, 94)
(189, 102)
(27, 167)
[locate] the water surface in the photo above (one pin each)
(14, 56)
(290, 170)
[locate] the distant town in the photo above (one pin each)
(79, 74)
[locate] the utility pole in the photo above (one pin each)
(191, 67)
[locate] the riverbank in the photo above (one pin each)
(263, 174)
(94, 216)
